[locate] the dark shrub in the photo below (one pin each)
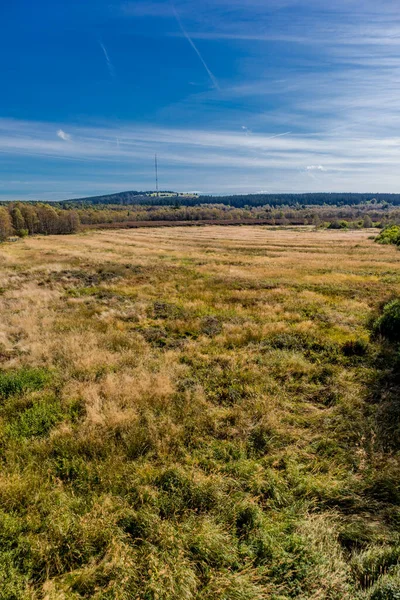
(355, 348)
(211, 326)
(249, 518)
(388, 324)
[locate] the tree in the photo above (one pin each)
(6, 227)
(48, 219)
(30, 216)
(18, 220)
(316, 220)
(68, 221)
(367, 222)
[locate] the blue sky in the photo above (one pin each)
(234, 96)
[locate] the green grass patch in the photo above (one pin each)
(19, 381)
(35, 421)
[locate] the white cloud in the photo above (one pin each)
(64, 136)
(315, 168)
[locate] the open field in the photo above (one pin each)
(198, 414)
(165, 223)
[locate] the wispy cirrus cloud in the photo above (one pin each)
(210, 153)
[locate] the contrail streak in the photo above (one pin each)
(109, 63)
(191, 42)
(271, 137)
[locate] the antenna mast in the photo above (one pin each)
(156, 169)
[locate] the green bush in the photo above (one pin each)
(338, 225)
(389, 235)
(388, 324)
(16, 382)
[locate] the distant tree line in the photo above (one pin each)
(336, 217)
(23, 218)
(28, 218)
(237, 201)
(309, 199)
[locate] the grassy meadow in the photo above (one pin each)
(198, 414)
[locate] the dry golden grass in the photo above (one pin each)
(191, 426)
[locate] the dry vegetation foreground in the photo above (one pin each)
(198, 414)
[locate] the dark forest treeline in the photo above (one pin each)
(237, 201)
(22, 218)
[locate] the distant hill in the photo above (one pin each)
(131, 197)
(169, 198)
